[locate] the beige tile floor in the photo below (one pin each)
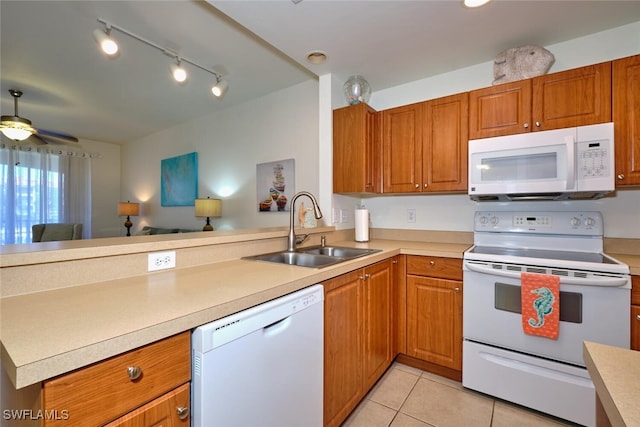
(409, 397)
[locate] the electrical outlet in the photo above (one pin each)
(162, 260)
(411, 215)
(344, 216)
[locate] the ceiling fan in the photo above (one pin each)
(19, 129)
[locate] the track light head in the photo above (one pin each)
(103, 38)
(220, 88)
(178, 72)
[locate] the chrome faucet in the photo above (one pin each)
(292, 239)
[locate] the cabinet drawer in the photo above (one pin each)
(171, 410)
(102, 392)
(446, 268)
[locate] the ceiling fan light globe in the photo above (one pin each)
(16, 128)
(17, 134)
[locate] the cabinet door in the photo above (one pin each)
(577, 97)
(356, 150)
(170, 410)
(378, 325)
(445, 142)
(626, 119)
(635, 327)
(500, 110)
(343, 349)
(434, 325)
(402, 149)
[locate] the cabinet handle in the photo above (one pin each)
(621, 176)
(367, 276)
(425, 186)
(183, 412)
(395, 261)
(456, 289)
(361, 277)
(637, 316)
(134, 372)
(538, 124)
(432, 262)
(526, 126)
(417, 185)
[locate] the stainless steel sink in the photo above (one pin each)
(298, 258)
(338, 251)
(314, 257)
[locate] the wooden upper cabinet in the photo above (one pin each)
(626, 119)
(356, 150)
(500, 110)
(445, 141)
(425, 146)
(402, 149)
(576, 97)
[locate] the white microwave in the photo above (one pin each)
(560, 164)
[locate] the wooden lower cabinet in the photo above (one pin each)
(152, 380)
(169, 410)
(434, 311)
(358, 336)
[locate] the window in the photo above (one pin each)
(40, 186)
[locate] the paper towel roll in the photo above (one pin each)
(362, 225)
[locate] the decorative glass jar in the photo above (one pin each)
(357, 90)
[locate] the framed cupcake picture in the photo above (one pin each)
(275, 185)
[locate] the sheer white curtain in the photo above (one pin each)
(41, 185)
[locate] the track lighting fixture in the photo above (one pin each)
(103, 38)
(178, 72)
(220, 88)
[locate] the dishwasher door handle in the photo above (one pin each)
(277, 327)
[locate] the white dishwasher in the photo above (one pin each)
(262, 366)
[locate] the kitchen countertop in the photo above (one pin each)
(615, 372)
(48, 333)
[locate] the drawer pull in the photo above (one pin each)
(637, 316)
(432, 262)
(456, 289)
(183, 412)
(134, 372)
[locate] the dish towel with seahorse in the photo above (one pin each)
(540, 304)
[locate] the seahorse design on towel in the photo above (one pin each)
(543, 306)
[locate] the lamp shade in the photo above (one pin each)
(128, 209)
(211, 208)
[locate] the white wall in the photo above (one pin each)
(279, 126)
(455, 212)
(105, 188)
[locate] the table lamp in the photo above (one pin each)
(208, 208)
(129, 209)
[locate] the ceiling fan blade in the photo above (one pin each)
(37, 139)
(58, 135)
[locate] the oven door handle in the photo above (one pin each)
(600, 281)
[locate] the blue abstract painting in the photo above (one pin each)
(179, 180)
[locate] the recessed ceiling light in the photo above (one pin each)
(316, 57)
(475, 3)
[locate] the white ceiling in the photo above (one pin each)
(47, 51)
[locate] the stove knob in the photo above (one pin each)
(590, 222)
(495, 220)
(484, 219)
(575, 221)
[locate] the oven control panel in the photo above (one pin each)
(572, 222)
